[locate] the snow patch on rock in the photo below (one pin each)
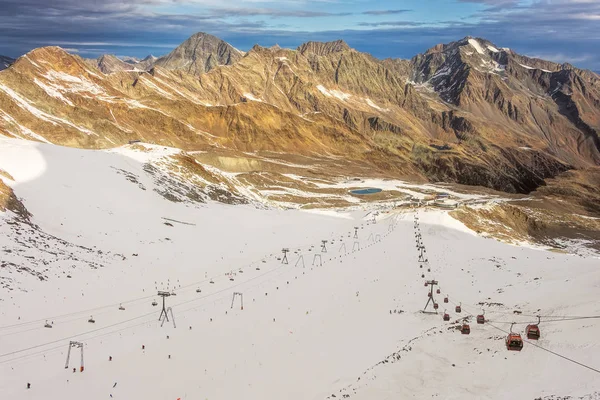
(477, 46)
(334, 93)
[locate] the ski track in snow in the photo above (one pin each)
(350, 327)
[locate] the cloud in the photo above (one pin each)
(385, 12)
(406, 24)
(495, 5)
(272, 12)
(562, 57)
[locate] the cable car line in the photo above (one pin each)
(552, 352)
(122, 302)
(122, 322)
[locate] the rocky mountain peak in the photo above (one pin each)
(108, 63)
(129, 60)
(199, 54)
(323, 48)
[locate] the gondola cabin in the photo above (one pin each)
(446, 317)
(480, 319)
(438, 291)
(465, 329)
(514, 342)
(426, 284)
(435, 306)
(429, 294)
(445, 299)
(533, 332)
(458, 309)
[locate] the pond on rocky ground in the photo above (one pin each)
(366, 191)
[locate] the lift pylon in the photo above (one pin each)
(315, 259)
(284, 259)
(163, 313)
(430, 298)
(241, 296)
(78, 345)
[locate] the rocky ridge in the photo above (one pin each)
(467, 112)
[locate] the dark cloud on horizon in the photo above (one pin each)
(272, 12)
(560, 30)
(385, 12)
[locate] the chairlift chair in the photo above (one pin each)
(121, 307)
(198, 290)
(211, 281)
(91, 320)
(47, 325)
(154, 303)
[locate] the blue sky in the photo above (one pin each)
(558, 30)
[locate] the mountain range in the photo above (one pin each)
(468, 111)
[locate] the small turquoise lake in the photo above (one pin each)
(366, 191)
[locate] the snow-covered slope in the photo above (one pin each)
(350, 326)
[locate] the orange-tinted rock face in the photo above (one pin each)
(467, 111)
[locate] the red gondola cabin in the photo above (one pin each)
(514, 342)
(480, 319)
(465, 329)
(435, 306)
(445, 299)
(458, 309)
(533, 332)
(446, 317)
